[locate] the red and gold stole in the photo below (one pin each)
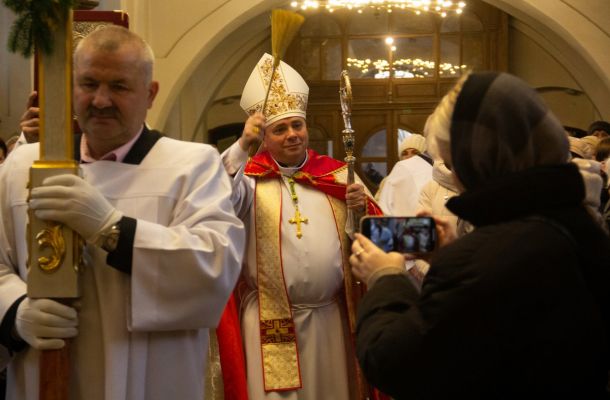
(277, 330)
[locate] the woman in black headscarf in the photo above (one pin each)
(517, 308)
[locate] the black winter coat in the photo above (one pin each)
(516, 309)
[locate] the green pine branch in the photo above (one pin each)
(35, 23)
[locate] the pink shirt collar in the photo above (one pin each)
(117, 154)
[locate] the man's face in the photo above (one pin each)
(111, 95)
(600, 134)
(408, 153)
(287, 140)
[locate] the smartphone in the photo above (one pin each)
(401, 234)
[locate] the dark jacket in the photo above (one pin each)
(516, 309)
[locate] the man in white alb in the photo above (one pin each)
(163, 249)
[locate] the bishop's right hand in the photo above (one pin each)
(253, 131)
(44, 323)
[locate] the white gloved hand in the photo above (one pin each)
(43, 323)
(71, 200)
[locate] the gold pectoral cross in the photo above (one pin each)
(298, 220)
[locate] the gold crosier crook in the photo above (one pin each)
(349, 140)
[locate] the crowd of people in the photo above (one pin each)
(186, 250)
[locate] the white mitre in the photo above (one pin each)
(288, 94)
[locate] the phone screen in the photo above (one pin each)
(401, 234)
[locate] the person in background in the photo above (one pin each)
(602, 155)
(11, 142)
(583, 152)
(297, 286)
(30, 121)
(163, 245)
(580, 149)
(520, 306)
(602, 151)
(432, 201)
(592, 142)
(412, 146)
(29, 124)
(601, 129)
(3, 151)
(399, 192)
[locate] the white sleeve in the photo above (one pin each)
(13, 206)
(183, 271)
(426, 196)
(399, 195)
(234, 158)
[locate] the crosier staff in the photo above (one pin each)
(354, 290)
(349, 140)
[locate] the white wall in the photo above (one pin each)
(15, 80)
(535, 65)
(192, 34)
(573, 32)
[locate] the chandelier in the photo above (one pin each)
(440, 7)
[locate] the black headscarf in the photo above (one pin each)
(500, 125)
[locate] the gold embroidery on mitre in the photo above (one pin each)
(280, 101)
(277, 331)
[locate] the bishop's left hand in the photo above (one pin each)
(71, 200)
(355, 198)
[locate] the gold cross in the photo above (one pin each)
(298, 220)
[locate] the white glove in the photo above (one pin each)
(71, 200)
(42, 323)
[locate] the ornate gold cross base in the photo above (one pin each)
(55, 250)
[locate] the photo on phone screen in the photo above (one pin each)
(401, 234)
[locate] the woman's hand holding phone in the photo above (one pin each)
(368, 260)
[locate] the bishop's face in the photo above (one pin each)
(287, 140)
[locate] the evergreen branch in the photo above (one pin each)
(35, 23)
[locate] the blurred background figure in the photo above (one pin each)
(30, 120)
(601, 129)
(602, 155)
(398, 194)
(3, 151)
(580, 148)
(412, 146)
(11, 142)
